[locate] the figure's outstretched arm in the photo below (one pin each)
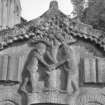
(41, 59)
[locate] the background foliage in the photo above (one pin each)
(90, 12)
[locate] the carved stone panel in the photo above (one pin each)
(49, 61)
(51, 74)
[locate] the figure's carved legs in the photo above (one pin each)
(73, 90)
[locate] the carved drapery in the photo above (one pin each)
(10, 68)
(10, 79)
(93, 70)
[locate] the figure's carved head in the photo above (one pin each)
(41, 48)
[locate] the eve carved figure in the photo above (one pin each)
(70, 67)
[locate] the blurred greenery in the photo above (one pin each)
(91, 12)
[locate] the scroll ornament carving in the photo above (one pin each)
(9, 95)
(91, 99)
(52, 77)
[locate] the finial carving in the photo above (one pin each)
(54, 4)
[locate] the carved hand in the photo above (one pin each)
(57, 65)
(52, 67)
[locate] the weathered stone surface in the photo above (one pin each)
(52, 59)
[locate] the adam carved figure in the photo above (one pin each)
(37, 68)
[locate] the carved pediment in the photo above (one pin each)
(52, 23)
